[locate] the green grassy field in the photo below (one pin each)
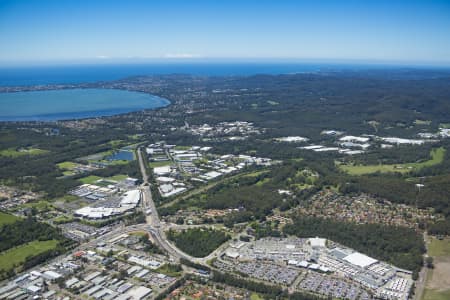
(155, 164)
(437, 156)
(255, 296)
(7, 219)
(11, 152)
(300, 187)
(168, 270)
(139, 233)
(90, 179)
(255, 174)
(67, 165)
(92, 158)
(262, 182)
(40, 206)
(116, 143)
(361, 170)
(117, 162)
(118, 177)
(16, 256)
(63, 219)
(65, 198)
(439, 247)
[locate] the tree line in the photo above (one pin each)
(400, 246)
(198, 242)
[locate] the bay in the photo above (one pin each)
(64, 104)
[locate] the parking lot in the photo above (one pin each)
(335, 287)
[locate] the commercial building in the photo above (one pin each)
(128, 202)
(360, 260)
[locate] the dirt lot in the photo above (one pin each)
(438, 281)
(437, 286)
(439, 277)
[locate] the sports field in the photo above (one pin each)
(11, 152)
(90, 179)
(437, 156)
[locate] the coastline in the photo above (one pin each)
(157, 102)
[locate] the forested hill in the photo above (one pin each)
(342, 100)
(385, 101)
(310, 102)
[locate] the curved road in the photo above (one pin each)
(155, 228)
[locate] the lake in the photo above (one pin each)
(73, 104)
(121, 155)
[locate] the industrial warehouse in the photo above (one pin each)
(127, 202)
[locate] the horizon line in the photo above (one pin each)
(111, 61)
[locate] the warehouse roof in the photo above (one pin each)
(360, 259)
(317, 242)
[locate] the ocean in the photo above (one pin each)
(41, 75)
(76, 104)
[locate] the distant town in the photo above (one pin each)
(241, 188)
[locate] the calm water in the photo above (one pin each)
(92, 73)
(73, 104)
(16, 76)
(121, 155)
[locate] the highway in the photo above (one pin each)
(154, 226)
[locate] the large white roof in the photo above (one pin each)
(360, 259)
(317, 242)
(139, 292)
(350, 138)
(212, 174)
(165, 179)
(161, 170)
(292, 139)
(129, 200)
(174, 191)
(394, 140)
(232, 254)
(95, 212)
(52, 274)
(131, 197)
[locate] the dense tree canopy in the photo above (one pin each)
(399, 246)
(198, 242)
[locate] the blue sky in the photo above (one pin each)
(45, 31)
